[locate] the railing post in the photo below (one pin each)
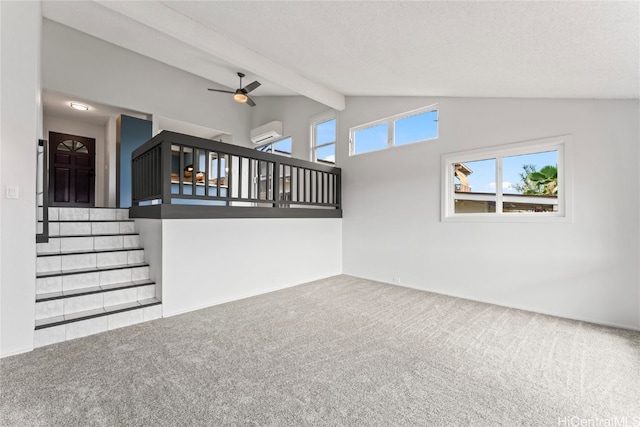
(134, 177)
(166, 171)
(339, 189)
(276, 184)
(44, 161)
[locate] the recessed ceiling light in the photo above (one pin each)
(79, 106)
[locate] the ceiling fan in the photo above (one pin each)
(240, 95)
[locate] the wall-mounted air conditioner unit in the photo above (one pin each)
(267, 132)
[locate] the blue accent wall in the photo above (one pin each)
(133, 133)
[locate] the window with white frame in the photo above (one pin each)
(282, 147)
(323, 137)
(523, 180)
(401, 129)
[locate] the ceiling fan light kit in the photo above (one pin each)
(240, 94)
(240, 97)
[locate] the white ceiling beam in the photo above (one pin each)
(167, 20)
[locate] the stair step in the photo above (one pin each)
(92, 259)
(90, 228)
(91, 221)
(90, 277)
(91, 314)
(87, 214)
(54, 305)
(53, 330)
(88, 251)
(49, 296)
(59, 244)
(90, 270)
(64, 236)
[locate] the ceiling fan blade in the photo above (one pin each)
(250, 102)
(221, 90)
(251, 86)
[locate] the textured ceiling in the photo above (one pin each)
(328, 50)
(58, 105)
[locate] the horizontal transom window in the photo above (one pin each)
(406, 128)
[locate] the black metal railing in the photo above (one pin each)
(176, 175)
(42, 193)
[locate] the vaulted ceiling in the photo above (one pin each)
(327, 50)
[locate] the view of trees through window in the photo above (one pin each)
(520, 183)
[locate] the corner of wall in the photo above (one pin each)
(20, 128)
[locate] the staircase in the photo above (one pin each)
(91, 276)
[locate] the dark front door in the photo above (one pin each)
(71, 170)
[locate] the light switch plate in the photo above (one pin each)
(12, 192)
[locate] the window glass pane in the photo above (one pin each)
(531, 182)
(282, 146)
(67, 145)
(475, 186)
(265, 148)
(326, 132)
(79, 147)
(515, 204)
(416, 128)
(531, 174)
(370, 139)
(326, 154)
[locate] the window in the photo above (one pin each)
(323, 138)
(70, 145)
(282, 147)
(523, 181)
(406, 128)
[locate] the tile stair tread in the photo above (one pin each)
(83, 314)
(88, 207)
(93, 290)
(91, 220)
(89, 270)
(92, 235)
(133, 283)
(89, 251)
(90, 314)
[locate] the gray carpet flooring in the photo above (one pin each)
(339, 352)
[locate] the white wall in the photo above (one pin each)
(20, 128)
(77, 64)
(586, 269)
(74, 127)
(151, 240)
(110, 171)
(211, 261)
(295, 112)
